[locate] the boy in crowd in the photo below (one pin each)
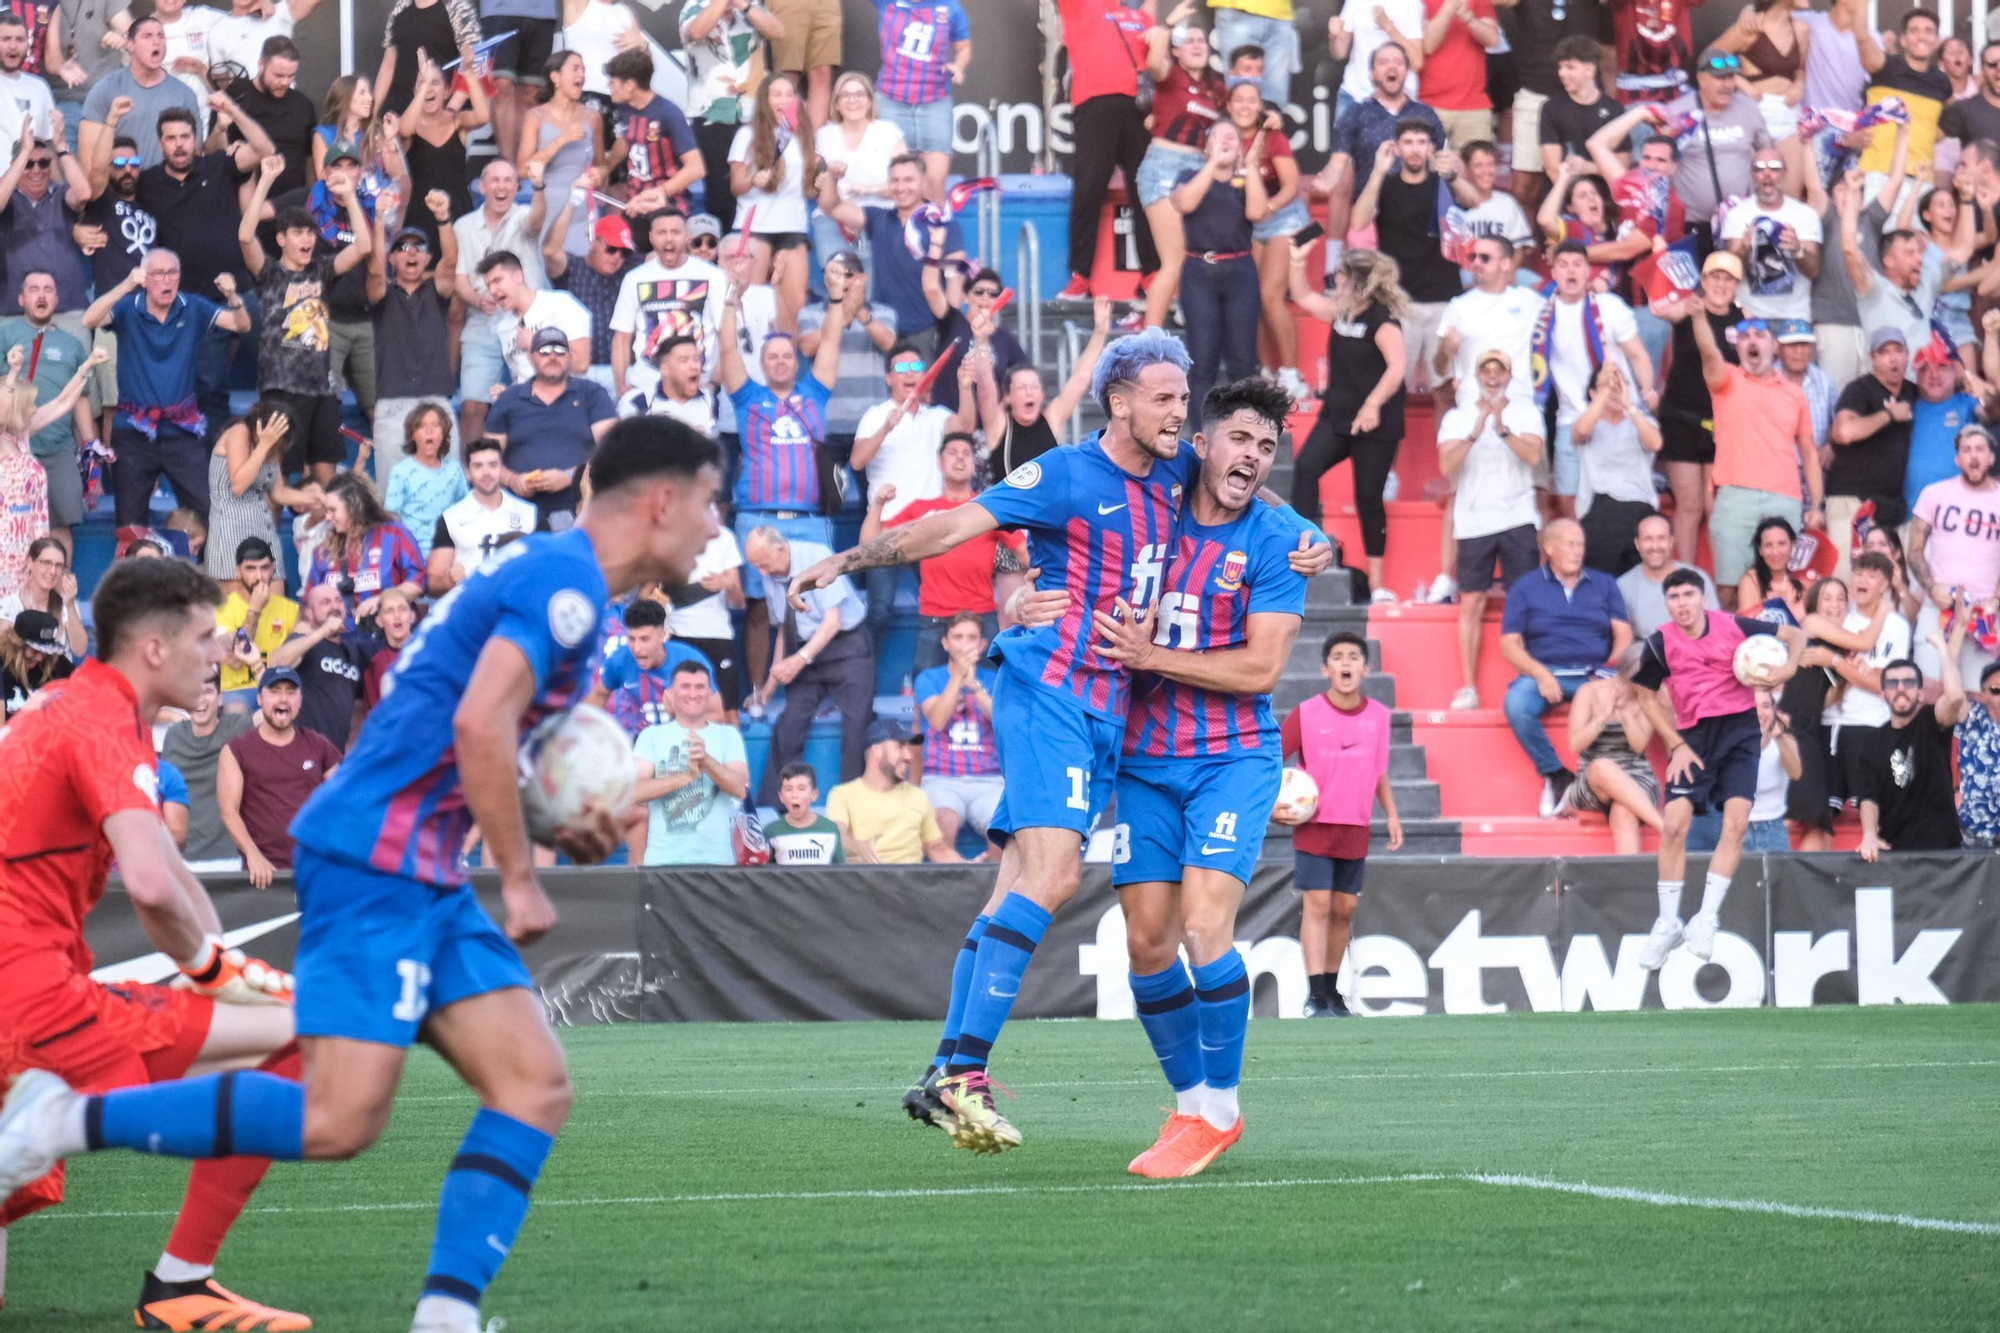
(800, 836)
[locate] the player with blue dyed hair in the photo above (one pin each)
(1102, 518)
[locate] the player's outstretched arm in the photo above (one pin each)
(933, 534)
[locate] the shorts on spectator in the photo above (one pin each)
(1762, 835)
(1565, 468)
(780, 241)
(1608, 531)
(926, 126)
(1528, 131)
(972, 799)
(1514, 550)
(65, 488)
(1733, 524)
(1279, 39)
(1420, 342)
(480, 366)
(1686, 439)
(721, 654)
(804, 527)
(1287, 221)
(812, 34)
(520, 58)
(1320, 874)
(1464, 127)
(315, 434)
(1728, 747)
(1160, 168)
(1781, 118)
(1503, 83)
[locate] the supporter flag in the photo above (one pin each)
(1825, 127)
(1940, 350)
(482, 64)
(1813, 555)
(1666, 276)
(915, 231)
(1981, 631)
(1864, 523)
(1643, 194)
(93, 460)
(1456, 235)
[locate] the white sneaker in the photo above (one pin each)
(1443, 588)
(1700, 935)
(1294, 384)
(28, 1122)
(1666, 937)
(1552, 795)
(1466, 698)
(1382, 597)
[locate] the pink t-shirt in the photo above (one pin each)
(24, 513)
(1964, 545)
(1346, 753)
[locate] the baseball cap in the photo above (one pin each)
(1494, 354)
(343, 150)
(1795, 331)
(705, 224)
(1719, 62)
(615, 231)
(887, 729)
(547, 340)
(1885, 335)
(407, 234)
(42, 632)
(278, 675)
(1933, 353)
(1725, 261)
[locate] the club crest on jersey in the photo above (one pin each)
(1230, 577)
(1025, 477)
(571, 616)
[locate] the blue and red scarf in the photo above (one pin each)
(1545, 326)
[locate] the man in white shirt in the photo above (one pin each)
(692, 774)
(1359, 29)
(1576, 330)
(1493, 312)
(523, 311)
(1778, 239)
(471, 530)
(1489, 448)
(679, 393)
(497, 224)
(670, 294)
(187, 28)
(238, 37)
(1853, 720)
(1491, 211)
(24, 98)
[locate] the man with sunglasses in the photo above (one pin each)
(1716, 155)
(547, 427)
(412, 347)
(1907, 798)
(114, 231)
(36, 213)
(1778, 239)
(963, 324)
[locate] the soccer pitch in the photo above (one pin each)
(1810, 1169)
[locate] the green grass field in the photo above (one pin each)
(765, 1177)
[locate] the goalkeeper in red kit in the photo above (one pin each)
(78, 790)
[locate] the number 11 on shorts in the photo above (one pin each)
(416, 986)
(1079, 784)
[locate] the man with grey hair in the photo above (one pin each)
(822, 653)
(497, 224)
(158, 427)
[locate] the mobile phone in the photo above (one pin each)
(1307, 234)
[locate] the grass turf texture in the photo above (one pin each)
(1884, 1110)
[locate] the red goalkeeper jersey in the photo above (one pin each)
(77, 755)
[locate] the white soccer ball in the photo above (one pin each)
(1298, 797)
(1757, 657)
(574, 764)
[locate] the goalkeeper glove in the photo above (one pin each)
(230, 977)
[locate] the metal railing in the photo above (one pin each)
(1028, 299)
(1069, 352)
(986, 153)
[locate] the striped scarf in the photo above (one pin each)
(1545, 327)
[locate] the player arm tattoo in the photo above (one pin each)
(933, 534)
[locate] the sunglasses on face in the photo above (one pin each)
(1903, 683)
(411, 247)
(552, 351)
(986, 293)
(122, 162)
(1722, 64)
(1478, 258)
(1752, 326)
(703, 243)
(38, 164)
(1767, 166)
(908, 368)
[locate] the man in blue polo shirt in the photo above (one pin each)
(547, 427)
(1561, 621)
(158, 427)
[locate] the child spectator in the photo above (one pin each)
(800, 836)
(955, 705)
(426, 481)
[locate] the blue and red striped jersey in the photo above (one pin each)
(1103, 534)
(964, 748)
(1218, 578)
(396, 803)
(780, 469)
(388, 556)
(638, 695)
(917, 37)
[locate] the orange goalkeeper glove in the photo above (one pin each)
(228, 976)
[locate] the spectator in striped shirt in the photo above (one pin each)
(363, 551)
(955, 701)
(926, 49)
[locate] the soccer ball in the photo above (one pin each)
(1298, 797)
(574, 764)
(1757, 657)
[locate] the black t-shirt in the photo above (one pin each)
(1569, 124)
(347, 293)
(412, 354)
(289, 120)
(1019, 444)
(331, 671)
(1908, 777)
(1407, 231)
(1873, 468)
(956, 328)
(1539, 25)
(1653, 673)
(197, 220)
(1686, 398)
(129, 232)
(1220, 223)
(1969, 118)
(1354, 366)
(15, 692)
(416, 28)
(295, 351)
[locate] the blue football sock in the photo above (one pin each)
(1165, 1001)
(1004, 950)
(242, 1113)
(1222, 1006)
(483, 1203)
(961, 986)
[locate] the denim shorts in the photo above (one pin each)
(1161, 168)
(480, 366)
(1287, 221)
(926, 126)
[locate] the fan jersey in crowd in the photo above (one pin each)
(1100, 532)
(1218, 578)
(476, 532)
(964, 747)
(396, 804)
(638, 696)
(917, 39)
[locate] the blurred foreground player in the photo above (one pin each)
(393, 945)
(78, 787)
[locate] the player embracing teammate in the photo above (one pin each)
(1104, 520)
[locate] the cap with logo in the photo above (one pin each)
(551, 340)
(705, 224)
(279, 675)
(614, 231)
(42, 632)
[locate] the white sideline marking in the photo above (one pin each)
(1613, 1193)
(1397, 1075)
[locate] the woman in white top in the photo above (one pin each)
(855, 139)
(773, 170)
(598, 30)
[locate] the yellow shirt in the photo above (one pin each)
(274, 626)
(900, 821)
(1263, 9)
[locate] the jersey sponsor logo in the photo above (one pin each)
(571, 616)
(1025, 477)
(148, 783)
(1231, 576)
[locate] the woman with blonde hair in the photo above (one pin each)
(1361, 412)
(1609, 732)
(24, 485)
(862, 144)
(31, 655)
(774, 169)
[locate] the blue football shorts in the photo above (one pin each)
(1209, 813)
(1057, 758)
(377, 952)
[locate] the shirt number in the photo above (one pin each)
(1147, 566)
(1180, 620)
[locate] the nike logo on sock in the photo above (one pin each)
(494, 1241)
